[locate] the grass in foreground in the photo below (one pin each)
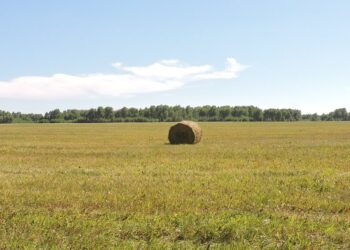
(247, 185)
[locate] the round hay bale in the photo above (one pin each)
(185, 132)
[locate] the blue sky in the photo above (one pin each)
(82, 54)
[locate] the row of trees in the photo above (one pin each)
(164, 113)
(337, 115)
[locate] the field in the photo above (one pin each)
(247, 185)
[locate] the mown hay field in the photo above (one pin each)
(246, 185)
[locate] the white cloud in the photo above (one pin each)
(231, 71)
(160, 76)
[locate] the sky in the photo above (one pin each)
(84, 54)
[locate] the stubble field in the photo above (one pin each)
(246, 185)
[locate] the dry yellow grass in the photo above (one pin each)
(272, 185)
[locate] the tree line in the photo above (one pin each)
(165, 113)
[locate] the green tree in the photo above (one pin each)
(53, 115)
(340, 114)
(5, 117)
(108, 113)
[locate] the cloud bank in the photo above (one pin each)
(164, 75)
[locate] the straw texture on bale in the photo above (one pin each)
(185, 132)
